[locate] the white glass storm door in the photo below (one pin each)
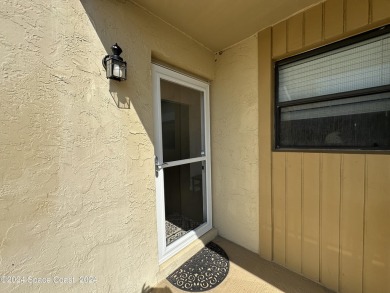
(182, 159)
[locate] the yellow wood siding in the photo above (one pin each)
(293, 211)
(380, 10)
(333, 18)
(356, 14)
(351, 223)
(330, 220)
(279, 46)
(313, 25)
(376, 274)
(323, 215)
(295, 32)
(311, 216)
(279, 207)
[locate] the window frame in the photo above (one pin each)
(349, 94)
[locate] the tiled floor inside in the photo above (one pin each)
(177, 225)
(249, 273)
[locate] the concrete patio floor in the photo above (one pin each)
(250, 273)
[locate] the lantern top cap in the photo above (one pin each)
(116, 50)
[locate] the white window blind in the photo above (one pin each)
(359, 66)
(351, 106)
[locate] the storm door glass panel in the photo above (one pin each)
(184, 199)
(182, 128)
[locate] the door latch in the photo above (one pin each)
(158, 166)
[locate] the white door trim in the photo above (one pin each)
(158, 73)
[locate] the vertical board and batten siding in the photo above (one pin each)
(293, 209)
(329, 229)
(323, 215)
(311, 215)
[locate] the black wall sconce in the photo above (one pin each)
(115, 67)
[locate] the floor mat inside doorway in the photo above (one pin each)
(177, 225)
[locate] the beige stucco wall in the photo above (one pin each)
(76, 153)
(234, 129)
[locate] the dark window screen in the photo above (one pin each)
(336, 97)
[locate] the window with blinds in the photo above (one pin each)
(337, 96)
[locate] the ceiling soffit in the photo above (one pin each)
(218, 24)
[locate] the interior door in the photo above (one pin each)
(182, 159)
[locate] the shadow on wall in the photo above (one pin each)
(155, 290)
(118, 94)
(112, 22)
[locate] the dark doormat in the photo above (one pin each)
(202, 272)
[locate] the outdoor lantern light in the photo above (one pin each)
(115, 67)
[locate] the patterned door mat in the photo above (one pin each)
(202, 272)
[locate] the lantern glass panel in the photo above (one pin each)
(109, 68)
(118, 69)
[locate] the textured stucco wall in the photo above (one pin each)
(76, 153)
(234, 129)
